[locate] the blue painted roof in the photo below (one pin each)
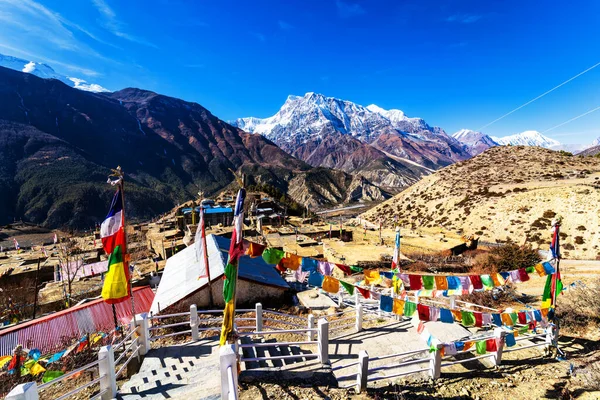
(209, 210)
(253, 269)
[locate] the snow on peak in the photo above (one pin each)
(310, 114)
(527, 138)
(596, 142)
(47, 72)
(464, 133)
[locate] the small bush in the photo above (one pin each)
(581, 228)
(579, 240)
(507, 258)
(578, 308)
(549, 214)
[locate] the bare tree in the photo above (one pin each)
(71, 258)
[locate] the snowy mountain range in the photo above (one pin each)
(47, 72)
(477, 142)
(528, 138)
(372, 141)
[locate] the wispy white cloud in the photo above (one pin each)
(259, 36)
(464, 18)
(19, 52)
(284, 25)
(30, 29)
(116, 26)
(346, 10)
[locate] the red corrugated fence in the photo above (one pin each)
(52, 332)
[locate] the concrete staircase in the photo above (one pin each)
(185, 371)
(274, 351)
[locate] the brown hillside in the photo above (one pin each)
(508, 193)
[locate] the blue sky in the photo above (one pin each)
(458, 64)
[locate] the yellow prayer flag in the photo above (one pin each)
(498, 280)
(468, 345)
(441, 283)
(506, 319)
(457, 315)
(291, 261)
(37, 369)
(372, 277)
(330, 284)
(398, 307)
(540, 269)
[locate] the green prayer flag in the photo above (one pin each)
(559, 287)
(428, 282)
(515, 317)
(409, 308)
(51, 375)
(272, 256)
(524, 329)
(349, 287)
(530, 270)
(229, 284)
(468, 319)
(355, 268)
(547, 289)
(481, 346)
(487, 281)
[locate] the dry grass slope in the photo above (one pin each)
(508, 193)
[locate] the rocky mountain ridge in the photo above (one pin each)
(59, 143)
(507, 193)
(368, 141)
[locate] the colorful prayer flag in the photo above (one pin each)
(349, 287)
(236, 250)
(330, 284)
(398, 307)
(116, 280)
(372, 277)
(396, 256)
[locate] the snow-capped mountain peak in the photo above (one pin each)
(477, 142)
(309, 114)
(47, 72)
(527, 138)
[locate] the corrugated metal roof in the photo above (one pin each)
(208, 210)
(48, 333)
(180, 276)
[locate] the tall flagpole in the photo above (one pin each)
(118, 173)
(205, 250)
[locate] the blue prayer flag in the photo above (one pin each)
(446, 316)
(386, 303)
(309, 264)
(497, 319)
(315, 279)
(453, 283)
(510, 340)
(548, 268)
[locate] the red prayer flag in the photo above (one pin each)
(522, 318)
(415, 282)
(365, 292)
(478, 318)
(346, 269)
(476, 281)
(490, 345)
(523, 275)
(423, 311)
